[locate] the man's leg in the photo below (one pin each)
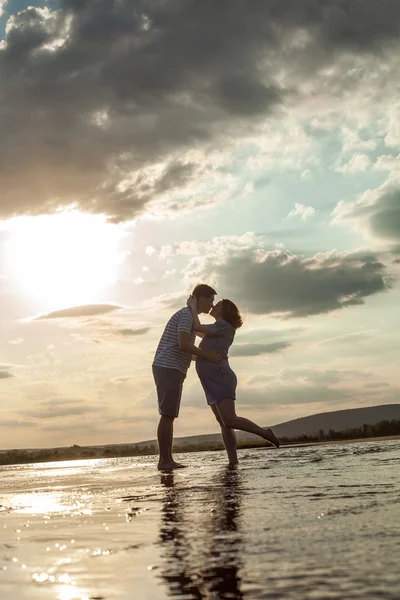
(169, 383)
(165, 432)
(228, 437)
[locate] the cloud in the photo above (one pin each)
(80, 311)
(2, 5)
(129, 332)
(258, 335)
(349, 338)
(119, 95)
(315, 385)
(60, 402)
(292, 394)
(106, 328)
(258, 349)
(53, 409)
(387, 162)
(173, 301)
(5, 375)
(352, 141)
(377, 212)
(357, 163)
(278, 282)
(242, 95)
(302, 211)
(6, 422)
(16, 341)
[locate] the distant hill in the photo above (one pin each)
(337, 420)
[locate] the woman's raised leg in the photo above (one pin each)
(227, 412)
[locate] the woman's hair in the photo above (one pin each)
(230, 313)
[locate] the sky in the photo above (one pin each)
(148, 146)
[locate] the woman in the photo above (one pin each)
(218, 380)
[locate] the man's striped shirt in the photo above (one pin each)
(168, 353)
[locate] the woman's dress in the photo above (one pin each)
(218, 380)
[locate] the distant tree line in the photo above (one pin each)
(381, 429)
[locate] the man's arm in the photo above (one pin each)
(185, 344)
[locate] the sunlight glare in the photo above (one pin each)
(69, 592)
(65, 259)
(37, 503)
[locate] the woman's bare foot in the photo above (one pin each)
(272, 438)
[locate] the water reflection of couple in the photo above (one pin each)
(172, 360)
(202, 562)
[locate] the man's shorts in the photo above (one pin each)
(169, 383)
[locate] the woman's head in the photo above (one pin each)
(227, 310)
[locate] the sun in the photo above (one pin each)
(64, 259)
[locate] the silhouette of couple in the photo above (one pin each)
(172, 360)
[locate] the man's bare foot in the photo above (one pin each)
(170, 466)
(272, 438)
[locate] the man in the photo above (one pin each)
(170, 365)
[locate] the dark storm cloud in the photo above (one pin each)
(271, 282)
(243, 96)
(258, 349)
(94, 94)
(80, 311)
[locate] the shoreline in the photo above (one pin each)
(46, 455)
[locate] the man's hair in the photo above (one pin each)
(201, 290)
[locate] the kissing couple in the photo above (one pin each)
(172, 360)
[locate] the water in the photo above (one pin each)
(318, 522)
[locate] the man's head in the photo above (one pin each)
(204, 295)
